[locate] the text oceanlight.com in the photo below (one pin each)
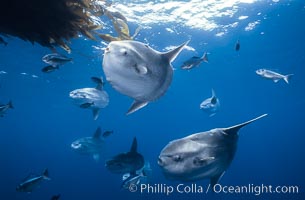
(217, 189)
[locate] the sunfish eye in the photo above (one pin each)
(177, 158)
(123, 51)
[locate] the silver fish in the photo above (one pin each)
(194, 61)
(30, 183)
(210, 105)
(49, 68)
(237, 45)
(138, 71)
(140, 177)
(91, 98)
(90, 145)
(55, 59)
(4, 108)
(204, 155)
(268, 74)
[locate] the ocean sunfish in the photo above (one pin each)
(138, 71)
(210, 105)
(91, 98)
(204, 155)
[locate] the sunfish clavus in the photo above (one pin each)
(138, 71)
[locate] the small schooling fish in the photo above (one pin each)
(268, 74)
(237, 45)
(107, 133)
(49, 68)
(194, 61)
(4, 108)
(55, 59)
(32, 182)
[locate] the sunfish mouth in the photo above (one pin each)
(76, 145)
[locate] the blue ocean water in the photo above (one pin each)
(38, 132)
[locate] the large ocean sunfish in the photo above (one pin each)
(138, 71)
(204, 155)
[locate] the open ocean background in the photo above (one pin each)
(38, 132)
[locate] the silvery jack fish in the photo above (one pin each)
(135, 179)
(31, 182)
(90, 145)
(268, 74)
(210, 105)
(55, 59)
(91, 98)
(5, 107)
(128, 162)
(138, 71)
(194, 61)
(204, 155)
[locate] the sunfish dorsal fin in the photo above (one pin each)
(97, 133)
(172, 54)
(45, 174)
(213, 93)
(134, 145)
(235, 129)
(99, 81)
(213, 98)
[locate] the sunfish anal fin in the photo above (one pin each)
(136, 105)
(95, 112)
(96, 157)
(214, 180)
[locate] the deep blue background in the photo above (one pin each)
(37, 133)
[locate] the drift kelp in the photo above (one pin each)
(50, 22)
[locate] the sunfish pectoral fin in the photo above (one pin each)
(235, 129)
(214, 180)
(202, 161)
(171, 55)
(141, 69)
(136, 105)
(95, 112)
(96, 157)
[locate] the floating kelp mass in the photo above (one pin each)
(54, 22)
